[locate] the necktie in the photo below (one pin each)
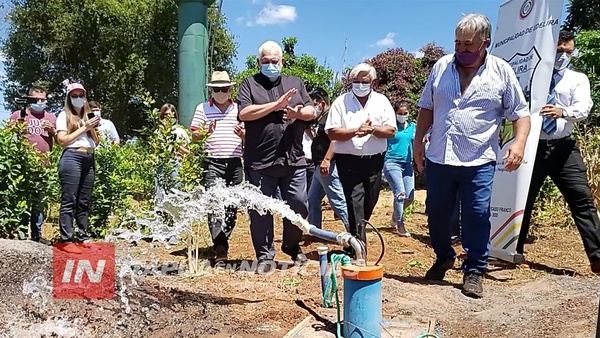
(549, 124)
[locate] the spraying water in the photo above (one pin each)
(184, 209)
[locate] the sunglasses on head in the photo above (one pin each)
(75, 96)
(221, 89)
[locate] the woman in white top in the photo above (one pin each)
(76, 169)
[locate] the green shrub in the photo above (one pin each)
(125, 175)
(22, 174)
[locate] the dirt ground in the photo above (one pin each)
(554, 294)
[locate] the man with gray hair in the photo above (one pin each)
(276, 109)
(464, 100)
(360, 122)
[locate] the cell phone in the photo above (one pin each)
(91, 116)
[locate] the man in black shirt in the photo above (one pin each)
(325, 180)
(275, 109)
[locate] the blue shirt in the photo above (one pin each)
(400, 147)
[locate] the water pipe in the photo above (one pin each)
(345, 239)
(322, 250)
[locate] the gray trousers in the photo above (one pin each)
(292, 184)
(232, 172)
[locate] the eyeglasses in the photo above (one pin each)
(221, 89)
(80, 96)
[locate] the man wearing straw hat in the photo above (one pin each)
(218, 118)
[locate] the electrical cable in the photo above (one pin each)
(380, 238)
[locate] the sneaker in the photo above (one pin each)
(472, 285)
(401, 231)
(41, 240)
(437, 272)
(393, 222)
(296, 254)
(266, 266)
(221, 254)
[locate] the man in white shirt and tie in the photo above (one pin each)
(558, 154)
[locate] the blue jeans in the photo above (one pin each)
(36, 217)
(401, 177)
(475, 187)
(331, 187)
(160, 190)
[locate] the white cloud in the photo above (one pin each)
(388, 41)
(240, 19)
(274, 15)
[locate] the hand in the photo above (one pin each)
(92, 123)
(365, 129)
(324, 167)
(240, 131)
(514, 156)
(212, 125)
(292, 113)
(48, 127)
(419, 155)
(284, 101)
(552, 112)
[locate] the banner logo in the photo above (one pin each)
(84, 271)
(524, 65)
(526, 8)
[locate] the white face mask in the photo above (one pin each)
(401, 118)
(562, 61)
(361, 89)
(97, 113)
(220, 97)
(78, 102)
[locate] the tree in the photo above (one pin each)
(304, 66)
(588, 62)
(400, 75)
(583, 15)
(120, 50)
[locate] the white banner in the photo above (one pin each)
(526, 37)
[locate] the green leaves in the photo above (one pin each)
(22, 174)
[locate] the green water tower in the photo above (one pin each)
(193, 56)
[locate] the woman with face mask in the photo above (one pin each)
(77, 168)
(398, 169)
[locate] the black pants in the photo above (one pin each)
(291, 182)
(361, 181)
(231, 171)
(561, 160)
(76, 171)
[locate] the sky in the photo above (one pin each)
(323, 26)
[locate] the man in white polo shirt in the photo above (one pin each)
(360, 122)
(218, 118)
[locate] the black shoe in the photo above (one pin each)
(266, 266)
(221, 254)
(298, 257)
(41, 240)
(473, 285)
(438, 269)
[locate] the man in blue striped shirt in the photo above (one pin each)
(464, 100)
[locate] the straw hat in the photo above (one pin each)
(220, 79)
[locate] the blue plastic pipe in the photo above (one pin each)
(322, 250)
(326, 235)
(362, 308)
